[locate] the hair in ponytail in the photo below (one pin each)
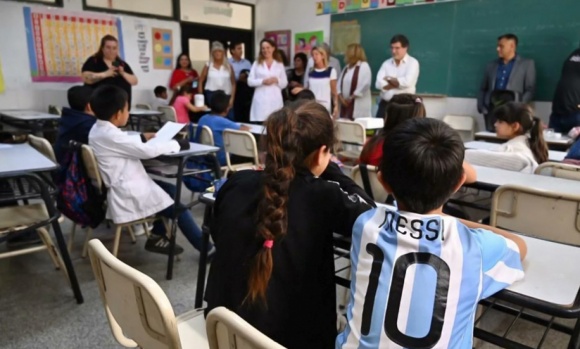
(523, 114)
(293, 135)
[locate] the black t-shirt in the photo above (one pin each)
(567, 96)
(301, 295)
(97, 65)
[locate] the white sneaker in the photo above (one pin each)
(138, 229)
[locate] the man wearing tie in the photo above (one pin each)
(397, 75)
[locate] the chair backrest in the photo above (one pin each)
(169, 114)
(241, 143)
(377, 192)
(138, 310)
(92, 167)
(206, 136)
(226, 330)
(463, 124)
(546, 215)
(43, 146)
(143, 106)
(351, 132)
(559, 170)
(504, 161)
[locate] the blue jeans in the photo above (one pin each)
(185, 220)
(564, 123)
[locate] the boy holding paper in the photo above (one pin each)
(132, 194)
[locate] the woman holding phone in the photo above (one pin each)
(106, 67)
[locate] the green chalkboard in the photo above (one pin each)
(454, 41)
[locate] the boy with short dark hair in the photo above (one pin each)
(132, 194)
(418, 274)
(76, 121)
(160, 97)
(217, 121)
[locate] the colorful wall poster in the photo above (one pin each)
(342, 6)
(305, 42)
(162, 48)
(60, 41)
(283, 39)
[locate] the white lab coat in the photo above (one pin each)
(267, 98)
(132, 194)
(362, 93)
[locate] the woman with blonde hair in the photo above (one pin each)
(354, 85)
(218, 75)
(268, 77)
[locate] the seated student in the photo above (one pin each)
(273, 232)
(516, 123)
(160, 97)
(132, 194)
(418, 274)
(181, 101)
(217, 121)
(75, 122)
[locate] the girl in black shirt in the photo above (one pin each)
(273, 232)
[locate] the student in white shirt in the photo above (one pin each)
(132, 194)
(218, 74)
(516, 123)
(268, 76)
(398, 74)
(354, 85)
(160, 97)
(322, 82)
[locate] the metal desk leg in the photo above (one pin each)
(178, 184)
(49, 203)
(202, 268)
(575, 339)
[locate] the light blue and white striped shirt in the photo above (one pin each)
(417, 279)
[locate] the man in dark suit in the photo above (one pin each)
(511, 77)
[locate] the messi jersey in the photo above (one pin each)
(417, 279)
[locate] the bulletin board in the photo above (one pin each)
(162, 48)
(59, 41)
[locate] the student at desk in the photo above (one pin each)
(274, 229)
(418, 274)
(132, 194)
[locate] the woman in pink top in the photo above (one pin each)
(181, 102)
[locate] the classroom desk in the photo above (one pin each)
(255, 129)
(490, 179)
(34, 121)
(371, 123)
(23, 161)
(180, 159)
(562, 143)
(553, 155)
(144, 113)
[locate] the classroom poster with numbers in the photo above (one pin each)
(59, 42)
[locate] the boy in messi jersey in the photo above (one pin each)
(417, 274)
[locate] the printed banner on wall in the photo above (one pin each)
(283, 40)
(305, 42)
(162, 48)
(59, 41)
(341, 6)
(344, 33)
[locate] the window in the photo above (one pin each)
(224, 14)
(47, 2)
(153, 8)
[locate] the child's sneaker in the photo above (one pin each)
(160, 244)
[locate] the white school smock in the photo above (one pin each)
(362, 93)
(132, 194)
(319, 83)
(267, 98)
(218, 79)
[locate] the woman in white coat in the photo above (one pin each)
(354, 85)
(268, 76)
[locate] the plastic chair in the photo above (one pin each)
(54, 110)
(504, 161)
(206, 136)
(138, 310)
(351, 133)
(374, 187)
(559, 170)
(143, 106)
(43, 146)
(241, 143)
(464, 125)
(169, 114)
(546, 215)
(226, 330)
(92, 170)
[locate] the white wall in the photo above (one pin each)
(22, 93)
(300, 16)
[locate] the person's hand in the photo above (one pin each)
(231, 105)
(294, 84)
(120, 69)
(296, 90)
(345, 102)
(267, 81)
(335, 112)
(245, 128)
(148, 135)
(110, 73)
(202, 108)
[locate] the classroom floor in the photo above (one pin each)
(37, 308)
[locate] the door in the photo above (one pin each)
(196, 40)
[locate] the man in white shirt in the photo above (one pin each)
(398, 74)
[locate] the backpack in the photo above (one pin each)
(199, 182)
(78, 199)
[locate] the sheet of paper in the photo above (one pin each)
(5, 146)
(167, 132)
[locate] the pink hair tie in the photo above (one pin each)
(268, 243)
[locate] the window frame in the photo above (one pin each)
(174, 17)
(56, 3)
